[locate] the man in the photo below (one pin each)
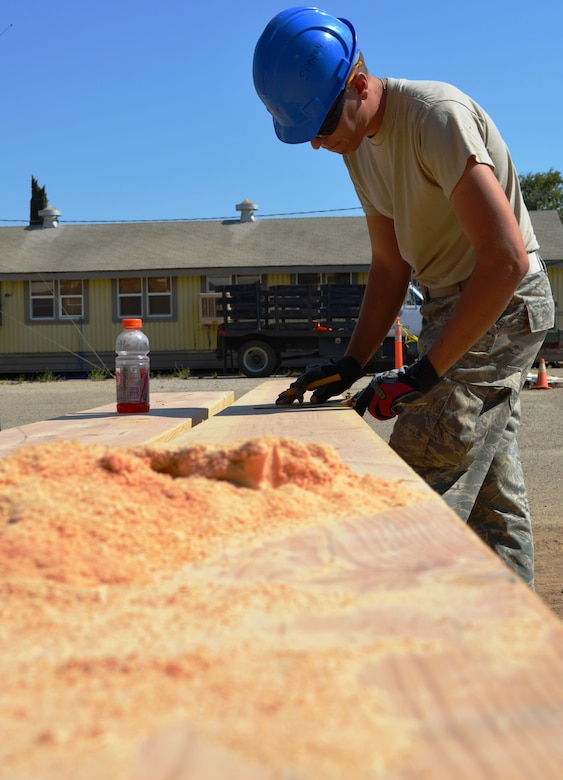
(443, 205)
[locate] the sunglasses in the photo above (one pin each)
(332, 119)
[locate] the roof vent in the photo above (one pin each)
(50, 216)
(247, 209)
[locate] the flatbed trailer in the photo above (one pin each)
(265, 328)
(552, 348)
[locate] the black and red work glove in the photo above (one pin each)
(324, 380)
(388, 393)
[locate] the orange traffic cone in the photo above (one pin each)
(398, 344)
(541, 381)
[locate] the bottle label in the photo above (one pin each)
(132, 384)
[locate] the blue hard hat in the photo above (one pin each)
(301, 63)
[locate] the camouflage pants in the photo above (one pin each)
(461, 437)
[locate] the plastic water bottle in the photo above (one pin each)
(132, 368)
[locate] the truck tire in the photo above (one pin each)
(257, 358)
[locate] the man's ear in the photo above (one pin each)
(360, 84)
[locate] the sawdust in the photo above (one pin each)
(89, 515)
(121, 620)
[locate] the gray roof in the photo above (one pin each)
(549, 232)
(189, 248)
(207, 247)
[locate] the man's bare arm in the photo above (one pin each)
(385, 291)
(489, 223)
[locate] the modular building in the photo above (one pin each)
(64, 289)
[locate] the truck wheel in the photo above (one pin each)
(257, 358)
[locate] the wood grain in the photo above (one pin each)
(171, 414)
(467, 659)
(391, 645)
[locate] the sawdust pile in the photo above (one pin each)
(87, 515)
(142, 597)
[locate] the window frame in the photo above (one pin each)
(145, 296)
(56, 297)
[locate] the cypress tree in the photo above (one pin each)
(38, 201)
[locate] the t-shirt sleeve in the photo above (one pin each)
(450, 134)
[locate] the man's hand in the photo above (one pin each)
(388, 393)
(325, 379)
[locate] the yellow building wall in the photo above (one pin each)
(100, 332)
(12, 330)
(184, 332)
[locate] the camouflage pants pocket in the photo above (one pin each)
(441, 439)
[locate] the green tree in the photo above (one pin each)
(38, 201)
(543, 191)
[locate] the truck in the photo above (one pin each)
(265, 328)
(552, 348)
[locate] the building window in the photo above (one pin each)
(129, 298)
(339, 277)
(308, 278)
(56, 300)
(148, 298)
(213, 282)
(71, 299)
(42, 297)
(159, 296)
(248, 278)
(336, 277)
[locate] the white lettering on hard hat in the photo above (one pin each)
(312, 60)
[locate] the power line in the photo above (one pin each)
(190, 219)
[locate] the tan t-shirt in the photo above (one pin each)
(408, 171)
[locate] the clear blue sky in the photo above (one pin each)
(140, 110)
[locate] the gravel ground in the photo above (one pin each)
(540, 443)
(27, 402)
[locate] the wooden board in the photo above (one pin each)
(255, 414)
(171, 414)
(465, 661)
(429, 658)
(460, 667)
